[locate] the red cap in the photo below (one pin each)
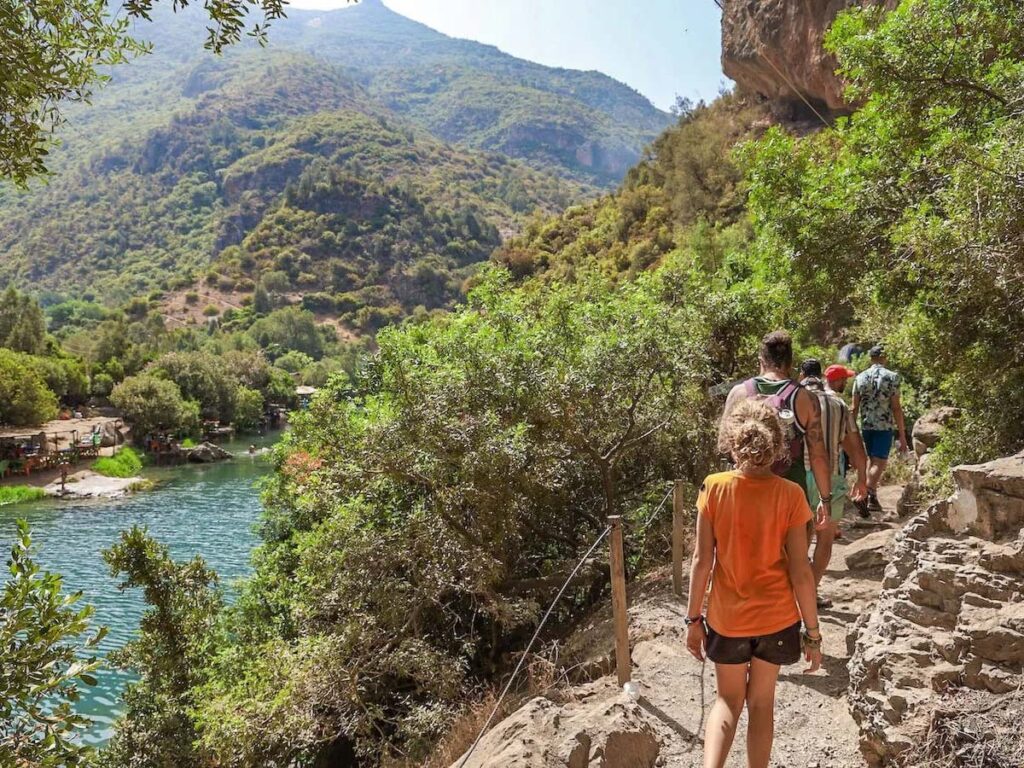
(839, 372)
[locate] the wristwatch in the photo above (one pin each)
(693, 619)
(827, 499)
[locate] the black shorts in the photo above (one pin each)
(782, 647)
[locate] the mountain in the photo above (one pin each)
(584, 125)
(282, 164)
(359, 149)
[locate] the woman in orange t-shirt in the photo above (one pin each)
(752, 538)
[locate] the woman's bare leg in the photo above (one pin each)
(761, 712)
(731, 682)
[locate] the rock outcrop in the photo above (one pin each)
(949, 615)
(774, 48)
(206, 453)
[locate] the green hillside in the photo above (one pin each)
(270, 138)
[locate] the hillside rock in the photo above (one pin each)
(774, 48)
(926, 434)
(949, 615)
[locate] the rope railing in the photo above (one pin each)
(623, 662)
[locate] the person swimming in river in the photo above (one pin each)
(752, 537)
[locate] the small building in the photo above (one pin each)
(305, 395)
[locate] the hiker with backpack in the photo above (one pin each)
(844, 445)
(876, 400)
(751, 545)
(800, 414)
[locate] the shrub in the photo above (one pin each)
(124, 463)
(191, 297)
(211, 311)
(15, 494)
(474, 452)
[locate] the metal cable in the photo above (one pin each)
(533, 639)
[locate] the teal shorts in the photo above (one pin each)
(839, 490)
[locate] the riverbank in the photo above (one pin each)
(87, 484)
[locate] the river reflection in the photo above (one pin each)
(209, 510)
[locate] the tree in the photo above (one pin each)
(201, 377)
(261, 299)
(48, 655)
(55, 51)
(290, 328)
(24, 397)
(22, 323)
(151, 404)
(169, 655)
(248, 409)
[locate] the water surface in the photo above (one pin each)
(209, 510)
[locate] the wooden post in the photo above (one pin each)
(623, 663)
(677, 537)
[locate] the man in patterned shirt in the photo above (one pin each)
(876, 401)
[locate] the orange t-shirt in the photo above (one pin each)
(751, 594)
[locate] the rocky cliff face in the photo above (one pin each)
(949, 621)
(774, 48)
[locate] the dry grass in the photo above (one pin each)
(540, 677)
(971, 729)
(900, 469)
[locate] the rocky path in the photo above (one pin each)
(600, 726)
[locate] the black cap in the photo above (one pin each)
(811, 367)
(877, 351)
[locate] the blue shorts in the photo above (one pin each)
(878, 442)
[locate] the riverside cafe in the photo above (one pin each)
(23, 454)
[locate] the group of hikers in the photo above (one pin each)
(792, 443)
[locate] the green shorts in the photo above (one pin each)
(839, 490)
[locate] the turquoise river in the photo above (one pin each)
(208, 510)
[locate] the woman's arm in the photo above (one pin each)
(802, 579)
(700, 574)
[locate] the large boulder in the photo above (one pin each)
(111, 434)
(206, 453)
(949, 614)
(543, 734)
(871, 551)
(774, 48)
(928, 429)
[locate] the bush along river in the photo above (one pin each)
(208, 510)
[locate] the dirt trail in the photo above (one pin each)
(814, 727)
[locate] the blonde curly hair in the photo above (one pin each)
(753, 435)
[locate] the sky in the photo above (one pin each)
(659, 47)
